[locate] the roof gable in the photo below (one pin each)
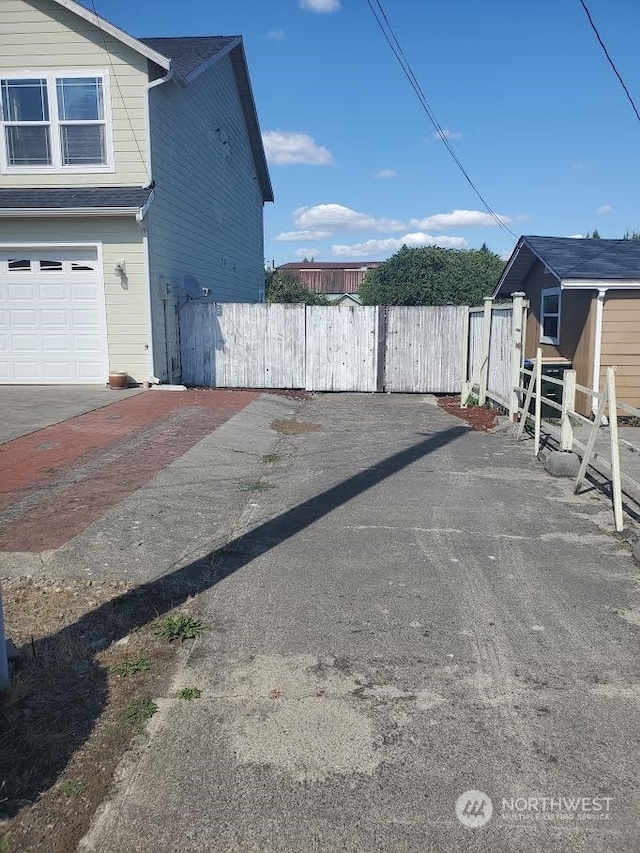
(572, 259)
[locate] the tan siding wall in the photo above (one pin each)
(621, 344)
(39, 35)
(576, 328)
(127, 307)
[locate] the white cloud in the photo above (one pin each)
(276, 35)
(446, 134)
(285, 147)
(320, 5)
(373, 248)
(307, 253)
(386, 173)
(306, 234)
(336, 217)
(604, 208)
(458, 219)
(576, 236)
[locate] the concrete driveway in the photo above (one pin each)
(415, 641)
(27, 408)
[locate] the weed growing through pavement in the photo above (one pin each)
(131, 667)
(189, 693)
(268, 458)
(179, 627)
(254, 486)
(139, 712)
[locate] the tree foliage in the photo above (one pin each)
(288, 288)
(433, 276)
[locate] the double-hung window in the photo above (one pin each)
(550, 316)
(55, 123)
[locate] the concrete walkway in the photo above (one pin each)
(412, 611)
(27, 408)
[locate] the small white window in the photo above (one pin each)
(19, 265)
(550, 316)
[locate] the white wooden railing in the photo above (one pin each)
(609, 409)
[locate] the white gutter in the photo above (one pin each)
(597, 347)
(14, 212)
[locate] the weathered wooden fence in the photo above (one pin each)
(322, 348)
(492, 356)
(421, 347)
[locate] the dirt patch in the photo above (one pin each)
(68, 716)
(481, 418)
(294, 427)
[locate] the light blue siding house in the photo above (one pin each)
(132, 178)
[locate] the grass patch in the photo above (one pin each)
(5, 844)
(254, 486)
(72, 789)
(179, 627)
(139, 712)
(189, 693)
(131, 667)
(270, 458)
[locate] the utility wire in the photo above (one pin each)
(387, 30)
(124, 103)
(611, 62)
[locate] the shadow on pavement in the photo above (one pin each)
(140, 606)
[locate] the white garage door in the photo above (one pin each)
(52, 317)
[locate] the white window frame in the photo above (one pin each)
(54, 124)
(550, 291)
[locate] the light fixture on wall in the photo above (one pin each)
(120, 268)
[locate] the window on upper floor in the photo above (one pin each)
(550, 316)
(55, 123)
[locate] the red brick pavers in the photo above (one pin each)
(55, 482)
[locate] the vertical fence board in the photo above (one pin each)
(342, 348)
(423, 348)
(500, 353)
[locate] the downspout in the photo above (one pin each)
(597, 347)
(145, 231)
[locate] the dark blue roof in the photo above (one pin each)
(80, 197)
(571, 258)
(189, 52)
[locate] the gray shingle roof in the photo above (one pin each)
(572, 258)
(79, 197)
(189, 52)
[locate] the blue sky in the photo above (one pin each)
(523, 89)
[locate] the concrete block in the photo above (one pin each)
(561, 463)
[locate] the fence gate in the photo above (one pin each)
(342, 348)
(423, 346)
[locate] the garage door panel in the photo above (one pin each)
(52, 323)
(54, 292)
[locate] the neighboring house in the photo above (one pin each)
(334, 280)
(132, 177)
(584, 308)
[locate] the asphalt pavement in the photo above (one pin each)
(403, 616)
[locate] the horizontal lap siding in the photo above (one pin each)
(127, 308)
(39, 35)
(621, 344)
(206, 222)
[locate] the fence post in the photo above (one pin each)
(464, 372)
(616, 487)
(4, 663)
(486, 342)
(538, 406)
(517, 317)
(568, 408)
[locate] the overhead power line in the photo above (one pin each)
(610, 61)
(388, 32)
